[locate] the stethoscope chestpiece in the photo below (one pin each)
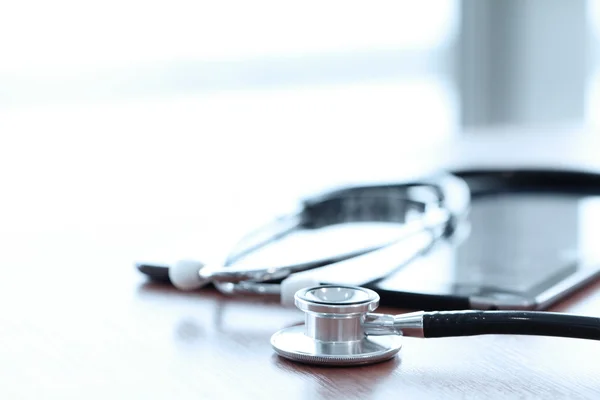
(333, 332)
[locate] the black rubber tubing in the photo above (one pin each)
(538, 323)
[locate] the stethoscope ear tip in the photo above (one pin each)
(184, 275)
(291, 285)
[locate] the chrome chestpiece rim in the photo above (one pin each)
(333, 332)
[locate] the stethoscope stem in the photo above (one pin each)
(341, 329)
(410, 324)
(470, 323)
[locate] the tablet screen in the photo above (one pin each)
(517, 243)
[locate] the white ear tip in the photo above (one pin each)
(184, 274)
(291, 285)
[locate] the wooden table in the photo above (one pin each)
(78, 322)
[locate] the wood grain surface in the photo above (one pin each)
(87, 325)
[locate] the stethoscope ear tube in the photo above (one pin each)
(471, 323)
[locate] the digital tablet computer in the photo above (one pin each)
(534, 238)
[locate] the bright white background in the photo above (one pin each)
(171, 112)
(166, 113)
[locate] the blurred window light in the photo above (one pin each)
(72, 34)
(593, 100)
(64, 50)
(594, 16)
(593, 90)
(170, 79)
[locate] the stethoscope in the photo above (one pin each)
(428, 209)
(340, 330)
(339, 327)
